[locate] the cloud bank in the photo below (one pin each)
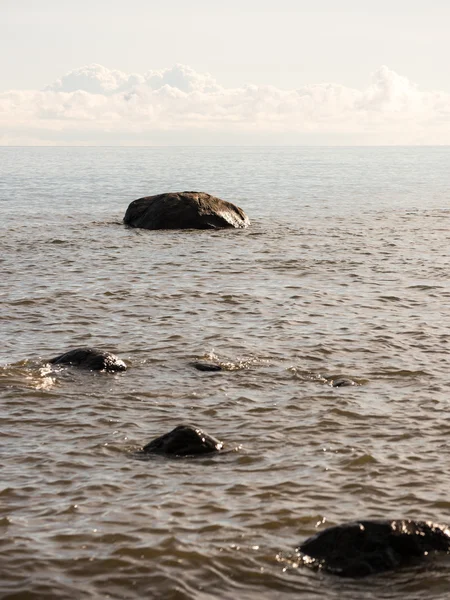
(97, 105)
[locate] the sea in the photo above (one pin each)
(344, 272)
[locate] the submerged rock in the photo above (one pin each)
(90, 358)
(184, 440)
(205, 366)
(184, 210)
(362, 548)
(342, 382)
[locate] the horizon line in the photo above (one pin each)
(225, 146)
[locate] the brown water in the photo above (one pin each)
(344, 272)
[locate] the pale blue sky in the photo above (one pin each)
(285, 43)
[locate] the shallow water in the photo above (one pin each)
(343, 272)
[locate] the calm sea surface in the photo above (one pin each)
(345, 271)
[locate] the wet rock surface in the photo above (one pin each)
(184, 210)
(184, 440)
(363, 548)
(342, 382)
(90, 358)
(201, 365)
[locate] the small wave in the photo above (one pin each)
(236, 364)
(27, 374)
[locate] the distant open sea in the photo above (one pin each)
(344, 271)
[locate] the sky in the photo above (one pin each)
(144, 72)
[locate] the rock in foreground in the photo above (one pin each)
(184, 440)
(90, 358)
(365, 547)
(184, 210)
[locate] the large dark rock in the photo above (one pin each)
(90, 358)
(184, 440)
(365, 547)
(184, 210)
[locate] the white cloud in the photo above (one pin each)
(94, 79)
(97, 79)
(100, 105)
(182, 78)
